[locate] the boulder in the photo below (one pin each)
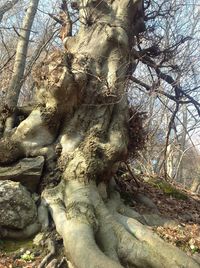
(27, 171)
(17, 208)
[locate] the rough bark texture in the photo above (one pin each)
(81, 118)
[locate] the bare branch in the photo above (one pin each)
(6, 7)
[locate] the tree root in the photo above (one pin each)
(43, 216)
(52, 264)
(95, 234)
(50, 260)
(52, 251)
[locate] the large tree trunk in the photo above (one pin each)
(82, 112)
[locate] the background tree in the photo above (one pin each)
(81, 124)
(6, 7)
(19, 64)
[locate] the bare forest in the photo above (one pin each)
(99, 133)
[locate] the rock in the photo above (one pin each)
(38, 239)
(27, 171)
(17, 208)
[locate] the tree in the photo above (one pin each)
(6, 7)
(19, 65)
(80, 122)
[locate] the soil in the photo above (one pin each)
(182, 207)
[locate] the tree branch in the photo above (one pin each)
(6, 7)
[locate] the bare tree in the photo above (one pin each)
(19, 64)
(6, 7)
(80, 124)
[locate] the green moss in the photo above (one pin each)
(169, 189)
(10, 246)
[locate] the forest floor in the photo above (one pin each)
(172, 202)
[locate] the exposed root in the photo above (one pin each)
(52, 264)
(96, 235)
(172, 256)
(52, 251)
(107, 240)
(135, 252)
(116, 204)
(62, 262)
(77, 227)
(43, 215)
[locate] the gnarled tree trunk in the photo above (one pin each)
(82, 116)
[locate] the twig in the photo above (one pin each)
(1, 69)
(52, 251)
(131, 173)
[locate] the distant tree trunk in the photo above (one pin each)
(195, 187)
(19, 64)
(6, 7)
(81, 120)
(182, 145)
(169, 161)
(42, 44)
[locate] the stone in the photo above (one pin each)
(17, 208)
(27, 171)
(38, 239)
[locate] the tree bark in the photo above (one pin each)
(82, 109)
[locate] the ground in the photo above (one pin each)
(179, 205)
